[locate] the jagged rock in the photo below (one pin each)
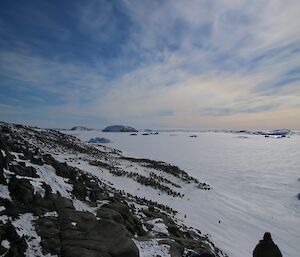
(17, 244)
(176, 250)
(132, 223)
(3, 166)
(21, 190)
(22, 170)
(207, 255)
(37, 161)
(62, 169)
(103, 238)
(10, 208)
(193, 244)
(174, 230)
(79, 190)
(48, 228)
(96, 194)
(76, 233)
(110, 214)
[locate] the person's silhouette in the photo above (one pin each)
(266, 247)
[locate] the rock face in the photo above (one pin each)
(119, 128)
(50, 206)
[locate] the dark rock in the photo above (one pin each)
(96, 194)
(110, 214)
(103, 237)
(207, 255)
(9, 158)
(62, 169)
(37, 161)
(79, 190)
(11, 208)
(174, 230)
(3, 166)
(176, 250)
(131, 222)
(151, 208)
(18, 245)
(22, 170)
(76, 251)
(196, 245)
(21, 190)
(48, 229)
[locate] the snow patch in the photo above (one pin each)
(158, 226)
(3, 153)
(4, 192)
(4, 219)
(151, 248)
(5, 243)
(58, 184)
(81, 206)
(24, 227)
(51, 214)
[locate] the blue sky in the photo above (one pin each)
(158, 64)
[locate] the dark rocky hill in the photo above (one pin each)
(56, 200)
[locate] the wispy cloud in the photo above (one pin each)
(230, 63)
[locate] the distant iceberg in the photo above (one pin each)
(81, 128)
(99, 140)
(119, 128)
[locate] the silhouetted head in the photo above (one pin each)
(267, 236)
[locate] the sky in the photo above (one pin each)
(151, 64)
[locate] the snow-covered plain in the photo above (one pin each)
(254, 180)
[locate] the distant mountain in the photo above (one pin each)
(119, 128)
(80, 128)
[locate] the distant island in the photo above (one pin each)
(119, 128)
(99, 140)
(82, 128)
